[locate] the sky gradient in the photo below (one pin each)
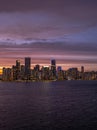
(44, 29)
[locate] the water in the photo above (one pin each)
(61, 105)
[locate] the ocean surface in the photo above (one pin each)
(60, 105)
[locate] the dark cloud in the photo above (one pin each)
(28, 5)
(42, 18)
(41, 53)
(62, 29)
(51, 5)
(48, 49)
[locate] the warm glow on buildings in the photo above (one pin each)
(0, 70)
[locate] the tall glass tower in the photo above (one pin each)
(27, 67)
(17, 69)
(53, 67)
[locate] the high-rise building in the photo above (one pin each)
(22, 71)
(82, 73)
(7, 74)
(59, 68)
(72, 73)
(37, 68)
(18, 69)
(82, 69)
(45, 73)
(53, 67)
(17, 64)
(14, 72)
(27, 67)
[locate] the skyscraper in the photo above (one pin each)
(82, 73)
(82, 69)
(27, 67)
(37, 68)
(7, 74)
(18, 64)
(53, 67)
(16, 70)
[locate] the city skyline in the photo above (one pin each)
(88, 67)
(65, 67)
(65, 30)
(24, 72)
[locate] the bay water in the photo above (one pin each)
(59, 105)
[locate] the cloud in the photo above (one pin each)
(44, 50)
(46, 18)
(64, 29)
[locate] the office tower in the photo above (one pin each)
(60, 73)
(27, 67)
(18, 64)
(82, 73)
(36, 72)
(22, 71)
(82, 69)
(37, 68)
(14, 72)
(72, 73)
(7, 74)
(59, 68)
(53, 67)
(18, 69)
(45, 73)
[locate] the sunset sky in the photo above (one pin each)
(65, 30)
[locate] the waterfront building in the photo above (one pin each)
(45, 73)
(82, 69)
(59, 68)
(22, 72)
(37, 68)
(14, 72)
(53, 68)
(60, 75)
(7, 74)
(72, 73)
(18, 70)
(27, 67)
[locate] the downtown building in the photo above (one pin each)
(27, 68)
(7, 74)
(53, 69)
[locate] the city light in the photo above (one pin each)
(52, 72)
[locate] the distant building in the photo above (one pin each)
(27, 67)
(14, 72)
(45, 73)
(72, 73)
(82, 73)
(53, 68)
(18, 64)
(59, 68)
(60, 73)
(37, 73)
(22, 71)
(7, 74)
(82, 69)
(18, 69)
(37, 68)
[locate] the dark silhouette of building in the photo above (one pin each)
(27, 67)
(53, 67)
(18, 69)
(22, 72)
(17, 64)
(82, 69)
(37, 68)
(45, 73)
(82, 73)
(72, 73)
(59, 68)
